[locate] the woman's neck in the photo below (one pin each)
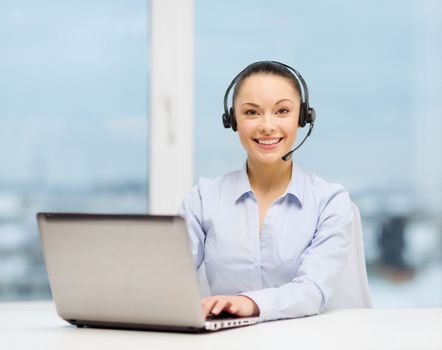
(267, 178)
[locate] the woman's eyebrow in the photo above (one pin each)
(283, 100)
(256, 105)
(250, 103)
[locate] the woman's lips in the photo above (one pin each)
(268, 143)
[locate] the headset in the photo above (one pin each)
(307, 114)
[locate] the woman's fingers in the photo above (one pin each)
(215, 304)
(237, 305)
(207, 305)
(220, 305)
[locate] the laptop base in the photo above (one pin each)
(135, 326)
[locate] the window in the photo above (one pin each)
(371, 69)
(73, 122)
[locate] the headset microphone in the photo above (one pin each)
(307, 114)
(288, 155)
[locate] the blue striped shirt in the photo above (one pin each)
(289, 266)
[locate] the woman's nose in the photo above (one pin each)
(267, 125)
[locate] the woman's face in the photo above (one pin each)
(267, 112)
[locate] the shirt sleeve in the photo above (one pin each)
(320, 266)
(191, 211)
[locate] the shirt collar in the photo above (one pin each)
(242, 184)
(296, 184)
(295, 187)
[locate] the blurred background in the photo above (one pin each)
(74, 119)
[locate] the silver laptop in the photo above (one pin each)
(125, 271)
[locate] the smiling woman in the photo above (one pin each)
(273, 238)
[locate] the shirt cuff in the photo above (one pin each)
(265, 302)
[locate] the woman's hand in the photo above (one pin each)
(234, 304)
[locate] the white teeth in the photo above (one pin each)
(268, 142)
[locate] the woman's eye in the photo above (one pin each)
(283, 111)
(251, 112)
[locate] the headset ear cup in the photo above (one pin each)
(302, 116)
(232, 119)
(226, 121)
(311, 115)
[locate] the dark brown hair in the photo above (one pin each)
(266, 67)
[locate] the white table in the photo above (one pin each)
(35, 325)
